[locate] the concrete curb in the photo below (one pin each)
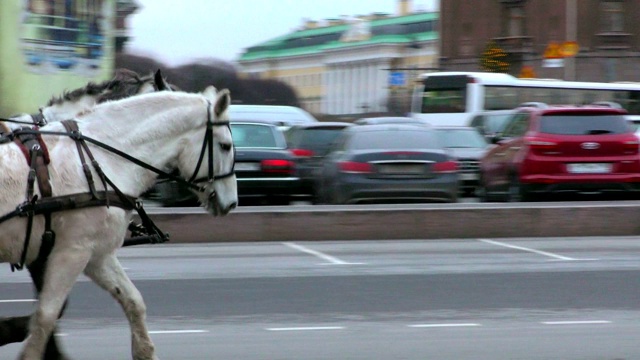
(442, 221)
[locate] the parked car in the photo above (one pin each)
(551, 149)
(388, 163)
(490, 123)
(389, 120)
(634, 122)
(265, 169)
(467, 146)
(280, 115)
(309, 143)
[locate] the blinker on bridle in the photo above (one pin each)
(208, 143)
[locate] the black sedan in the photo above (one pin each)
(388, 163)
(265, 169)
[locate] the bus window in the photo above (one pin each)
(443, 101)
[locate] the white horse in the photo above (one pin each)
(70, 104)
(164, 130)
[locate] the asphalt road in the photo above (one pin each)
(525, 299)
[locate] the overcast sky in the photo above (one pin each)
(179, 31)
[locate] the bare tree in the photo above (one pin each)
(196, 76)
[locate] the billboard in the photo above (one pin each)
(51, 46)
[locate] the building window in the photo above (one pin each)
(612, 15)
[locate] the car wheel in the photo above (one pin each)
(334, 196)
(516, 192)
(279, 200)
(483, 193)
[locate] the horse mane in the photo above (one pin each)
(124, 84)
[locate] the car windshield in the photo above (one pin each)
(253, 136)
(393, 139)
(495, 123)
(583, 124)
(461, 138)
(319, 140)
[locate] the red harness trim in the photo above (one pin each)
(26, 151)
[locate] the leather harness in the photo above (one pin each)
(35, 151)
(30, 141)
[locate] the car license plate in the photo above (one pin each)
(405, 169)
(467, 177)
(589, 168)
(247, 166)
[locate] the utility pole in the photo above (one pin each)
(571, 35)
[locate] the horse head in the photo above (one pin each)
(214, 157)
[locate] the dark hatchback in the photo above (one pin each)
(388, 163)
(265, 169)
(309, 143)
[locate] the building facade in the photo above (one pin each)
(350, 66)
(534, 33)
(49, 46)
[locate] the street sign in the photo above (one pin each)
(552, 51)
(397, 78)
(569, 48)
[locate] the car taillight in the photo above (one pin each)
(542, 145)
(445, 167)
(302, 152)
(632, 147)
(277, 166)
(355, 167)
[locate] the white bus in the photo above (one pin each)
(453, 98)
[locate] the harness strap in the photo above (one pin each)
(72, 127)
(46, 206)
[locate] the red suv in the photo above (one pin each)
(550, 149)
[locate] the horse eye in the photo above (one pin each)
(225, 147)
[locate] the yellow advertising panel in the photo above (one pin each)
(50, 46)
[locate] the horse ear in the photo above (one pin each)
(222, 102)
(210, 93)
(161, 84)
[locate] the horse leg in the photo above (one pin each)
(16, 329)
(67, 264)
(109, 275)
(13, 329)
(37, 270)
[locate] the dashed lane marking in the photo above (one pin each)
(579, 322)
(331, 260)
(307, 328)
(540, 252)
(444, 325)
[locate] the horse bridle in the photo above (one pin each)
(208, 143)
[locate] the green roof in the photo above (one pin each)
(274, 48)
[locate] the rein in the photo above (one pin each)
(36, 119)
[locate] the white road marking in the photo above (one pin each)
(540, 252)
(178, 332)
(308, 328)
(330, 259)
(443, 325)
(582, 322)
(18, 300)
